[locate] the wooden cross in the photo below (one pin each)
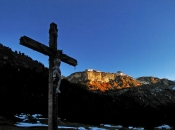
(53, 54)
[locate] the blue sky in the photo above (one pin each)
(136, 37)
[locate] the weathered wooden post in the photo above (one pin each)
(53, 54)
(52, 103)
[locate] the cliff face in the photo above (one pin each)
(103, 81)
(91, 76)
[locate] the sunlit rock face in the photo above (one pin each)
(77, 77)
(91, 76)
(103, 81)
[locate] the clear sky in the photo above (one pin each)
(136, 37)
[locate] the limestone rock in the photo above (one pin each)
(103, 81)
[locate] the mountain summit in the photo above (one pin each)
(103, 81)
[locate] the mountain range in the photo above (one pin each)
(104, 81)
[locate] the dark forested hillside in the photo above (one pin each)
(19, 59)
(23, 83)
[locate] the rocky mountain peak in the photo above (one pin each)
(103, 81)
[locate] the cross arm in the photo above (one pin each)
(39, 47)
(30, 43)
(69, 60)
